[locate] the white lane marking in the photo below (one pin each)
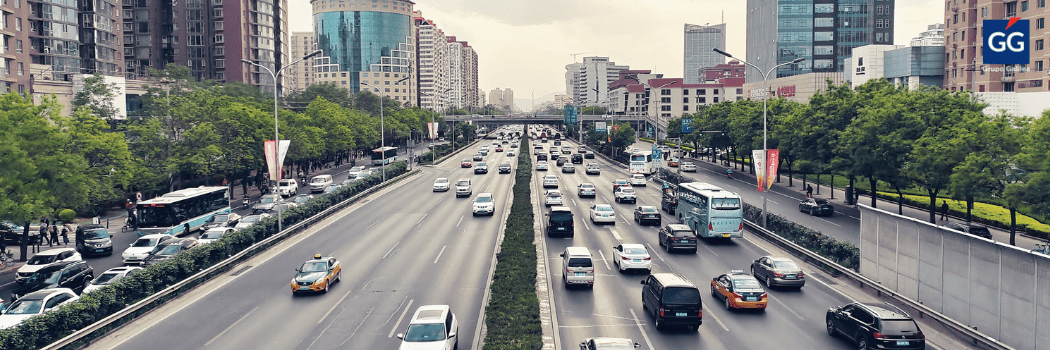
(733, 186)
(810, 277)
(606, 262)
(658, 256)
(828, 221)
(716, 319)
(336, 305)
(460, 220)
(370, 226)
(7, 284)
(231, 326)
(709, 249)
(772, 201)
(391, 250)
(768, 252)
(770, 296)
(571, 199)
(392, 330)
(640, 329)
(421, 219)
(586, 225)
(616, 235)
(355, 329)
(439, 254)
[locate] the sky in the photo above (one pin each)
(525, 44)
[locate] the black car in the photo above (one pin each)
(504, 168)
(678, 236)
(75, 275)
(668, 202)
(168, 249)
(12, 234)
(881, 326)
(562, 160)
(93, 239)
(973, 229)
(816, 207)
(588, 155)
(647, 214)
(577, 158)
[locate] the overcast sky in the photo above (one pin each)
(525, 44)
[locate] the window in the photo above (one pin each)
(1039, 23)
(665, 92)
(1038, 66)
(1040, 3)
(665, 100)
(685, 100)
(739, 91)
(1024, 6)
(18, 25)
(701, 91)
(20, 68)
(218, 25)
(18, 47)
(1039, 44)
(984, 12)
(716, 100)
(219, 38)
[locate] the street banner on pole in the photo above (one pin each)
(432, 129)
(772, 162)
(765, 167)
(268, 150)
(760, 167)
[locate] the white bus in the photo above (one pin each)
(384, 155)
(710, 211)
(171, 213)
(641, 162)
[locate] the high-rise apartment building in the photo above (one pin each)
(300, 76)
(456, 85)
(502, 98)
(699, 44)
(470, 77)
(824, 32)
(588, 82)
(433, 67)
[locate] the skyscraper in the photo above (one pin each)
(300, 76)
(699, 42)
(588, 82)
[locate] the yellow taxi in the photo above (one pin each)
(739, 290)
(316, 275)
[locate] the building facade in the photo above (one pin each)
(798, 88)
(699, 54)
(502, 98)
(909, 66)
(300, 76)
(433, 64)
(588, 82)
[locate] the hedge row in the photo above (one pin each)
(988, 214)
(42, 330)
(512, 316)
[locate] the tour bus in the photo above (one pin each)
(171, 213)
(384, 154)
(641, 162)
(710, 211)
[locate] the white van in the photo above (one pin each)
(320, 182)
(579, 269)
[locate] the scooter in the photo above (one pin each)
(245, 203)
(729, 175)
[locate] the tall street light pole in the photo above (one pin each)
(433, 151)
(276, 137)
(765, 128)
(382, 123)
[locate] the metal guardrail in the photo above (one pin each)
(976, 338)
(206, 274)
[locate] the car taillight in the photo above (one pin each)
(878, 335)
(624, 258)
(741, 227)
(764, 295)
(710, 227)
(550, 223)
(778, 274)
(738, 295)
(700, 313)
(567, 271)
(612, 214)
(801, 274)
(648, 258)
(922, 336)
(661, 312)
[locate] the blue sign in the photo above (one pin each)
(656, 152)
(1004, 41)
(570, 115)
(687, 125)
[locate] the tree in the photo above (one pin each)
(329, 91)
(98, 96)
(622, 137)
(108, 161)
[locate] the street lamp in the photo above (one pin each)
(765, 128)
(433, 151)
(382, 123)
(276, 137)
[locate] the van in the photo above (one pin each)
(320, 182)
(559, 221)
(579, 269)
(673, 300)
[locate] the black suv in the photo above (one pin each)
(93, 239)
(12, 234)
(669, 202)
(973, 229)
(673, 300)
(559, 221)
(74, 275)
(577, 158)
(881, 326)
(678, 236)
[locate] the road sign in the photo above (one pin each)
(599, 127)
(687, 125)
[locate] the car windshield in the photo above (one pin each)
(425, 332)
(683, 233)
(42, 259)
(48, 277)
(441, 181)
(463, 183)
(96, 233)
(586, 186)
(318, 180)
(466, 160)
(221, 218)
(267, 200)
(898, 326)
(785, 265)
(561, 216)
(106, 278)
(213, 234)
(746, 283)
(314, 266)
(167, 250)
(482, 164)
(648, 209)
(484, 199)
(602, 208)
(725, 203)
(634, 251)
(286, 183)
(250, 219)
(674, 295)
(639, 177)
(25, 307)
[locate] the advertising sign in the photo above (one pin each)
(1004, 41)
(570, 115)
(268, 150)
(765, 167)
(599, 127)
(432, 129)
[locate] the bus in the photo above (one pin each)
(384, 155)
(641, 162)
(710, 211)
(171, 213)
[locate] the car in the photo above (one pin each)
(673, 300)
(673, 162)
(638, 180)
(514, 145)
(266, 203)
(647, 214)
(625, 195)
(355, 171)
(593, 169)
(504, 168)
(463, 188)
(45, 258)
(971, 228)
(140, 249)
(620, 183)
(602, 213)
(604, 343)
(213, 234)
(511, 154)
(816, 207)
(320, 182)
(739, 291)
(499, 149)
(168, 249)
(36, 303)
(93, 239)
(876, 326)
(688, 167)
(541, 165)
(568, 168)
(562, 160)
(298, 200)
(581, 150)
(250, 220)
(578, 264)
(588, 155)
(550, 181)
(478, 157)
(586, 189)
(285, 206)
(566, 150)
(557, 143)
(316, 275)
(441, 184)
(677, 236)
(331, 188)
(431, 327)
(11, 233)
(483, 205)
(778, 272)
(231, 219)
(632, 257)
(287, 187)
(541, 157)
(553, 197)
(466, 164)
(111, 276)
(481, 168)
(668, 201)
(75, 275)
(577, 158)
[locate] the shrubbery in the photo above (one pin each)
(48, 328)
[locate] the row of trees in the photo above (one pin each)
(928, 139)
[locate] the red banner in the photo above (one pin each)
(772, 161)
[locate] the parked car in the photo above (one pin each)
(11, 233)
(75, 275)
(816, 206)
(882, 326)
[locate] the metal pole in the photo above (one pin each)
(382, 125)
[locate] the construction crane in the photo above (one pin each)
(576, 54)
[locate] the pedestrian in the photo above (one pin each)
(43, 231)
(53, 229)
(186, 228)
(65, 234)
(944, 210)
(809, 191)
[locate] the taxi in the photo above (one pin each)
(316, 275)
(739, 291)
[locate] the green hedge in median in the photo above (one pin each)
(512, 317)
(42, 330)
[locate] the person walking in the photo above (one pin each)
(809, 191)
(65, 233)
(944, 210)
(44, 237)
(53, 229)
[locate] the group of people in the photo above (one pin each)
(51, 231)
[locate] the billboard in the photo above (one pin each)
(765, 167)
(1004, 41)
(599, 127)
(269, 150)
(570, 115)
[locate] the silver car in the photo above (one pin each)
(442, 185)
(777, 271)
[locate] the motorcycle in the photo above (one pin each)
(729, 174)
(245, 203)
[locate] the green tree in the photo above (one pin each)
(98, 96)
(622, 137)
(329, 91)
(109, 165)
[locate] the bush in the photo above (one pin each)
(67, 215)
(841, 252)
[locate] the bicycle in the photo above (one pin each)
(6, 259)
(128, 225)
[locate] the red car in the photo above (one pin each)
(466, 164)
(499, 149)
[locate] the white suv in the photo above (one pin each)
(483, 205)
(463, 188)
(431, 327)
(288, 187)
(44, 258)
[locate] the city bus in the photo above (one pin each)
(641, 162)
(384, 155)
(171, 213)
(710, 211)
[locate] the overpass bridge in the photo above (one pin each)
(640, 123)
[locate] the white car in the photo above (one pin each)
(442, 184)
(553, 197)
(463, 188)
(625, 195)
(541, 165)
(141, 248)
(287, 187)
(44, 258)
(602, 213)
(550, 181)
(250, 220)
(213, 234)
(320, 182)
(586, 189)
(632, 257)
(355, 171)
(688, 167)
(637, 180)
(36, 303)
(483, 205)
(111, 276)
(431, 327)
(510, 153)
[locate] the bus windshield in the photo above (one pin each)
(725, 203)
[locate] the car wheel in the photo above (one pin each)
(800, 209)
(729, 304)
(811, 213)
(862, 344)
(667, 247)
(831, 327)
(695, 327)
(769, 282)
(339, 276)
(87, 282)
